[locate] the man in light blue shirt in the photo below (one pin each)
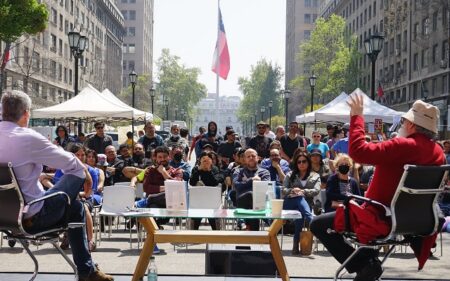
(28, 151)
(317, 144)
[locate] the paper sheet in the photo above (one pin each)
(175, 195)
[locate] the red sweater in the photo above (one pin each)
(389, 157)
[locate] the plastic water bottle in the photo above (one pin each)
(269, 196)
(152, 273)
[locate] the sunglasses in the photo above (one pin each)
(302, 161)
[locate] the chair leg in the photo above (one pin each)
(342, 267)
(68, 260)
(389, 252)
(36, 265)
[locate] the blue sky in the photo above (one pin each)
(255, 29)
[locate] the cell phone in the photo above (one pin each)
(380, 137)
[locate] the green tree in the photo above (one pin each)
(179, 84)
(17, 18)
(332, 54)
(142, 99)
(262, 86)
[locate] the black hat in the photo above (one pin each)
(230, 132)
(316, 151)
(208, 145)
(228, 128)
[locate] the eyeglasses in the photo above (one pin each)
(99, 128)
(316, 137)
(302, 161)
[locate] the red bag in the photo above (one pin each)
(366, 221)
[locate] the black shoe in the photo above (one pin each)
(370, 272)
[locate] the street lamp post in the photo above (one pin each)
(176, 112)
(77, 43)
(270, 114)
(287, 95)
(373, 46)
(251, 125)
(312, 84)
(263, 109)
(256, 116)
(152, 96)
(133, 77)
(166, 104)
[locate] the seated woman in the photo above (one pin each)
(98, 177)
(205, 174)
(299, 188)
(340, 184)
(321, 167)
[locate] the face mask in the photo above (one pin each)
(343, 169)
(402, 132)
(177, 157)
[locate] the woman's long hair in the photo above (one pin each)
(294, 166)
(66, 132)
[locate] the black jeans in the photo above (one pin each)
(245, 201)
(336, 245)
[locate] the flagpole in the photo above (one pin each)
(216, 114)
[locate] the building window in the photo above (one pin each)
(405, 40)
(124, 65)
(35, 60)
(131, 48)
(425, 57)
(53, 46)
(414, 96)
(435, 20)
(416, 30)
(307, 18)
(54, 16)
(416, 62)
(374, 8)
(132, 15)
(124, 1)
(433, 86)
(70, 76)
(434, 54)
(307, 3)
(444, 84)
(131, 31)
(52, 68)
(307, 34)
(444, 50)
(425, 26)
(131, 65)
(125, 14)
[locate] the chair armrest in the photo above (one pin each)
(371, 201)
(50, 196)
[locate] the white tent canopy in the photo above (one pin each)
(111, 97)
(89, 103)
(310, 116)
(340, 112)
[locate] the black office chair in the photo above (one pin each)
(413, 210)
(12, 206)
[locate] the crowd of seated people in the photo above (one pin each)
(312, 175)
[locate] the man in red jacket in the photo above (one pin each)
(415, 146)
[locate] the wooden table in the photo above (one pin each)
(146, 218)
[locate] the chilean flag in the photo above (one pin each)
(221, 60)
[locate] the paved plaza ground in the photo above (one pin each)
(115, 256)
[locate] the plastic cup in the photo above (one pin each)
(277, 207)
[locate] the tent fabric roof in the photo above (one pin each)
(89, 103)
(141, 114)
(340, 112)
(310, 116)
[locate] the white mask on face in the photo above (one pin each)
(402, 132)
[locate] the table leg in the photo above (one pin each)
(147, 249)
(276, 250)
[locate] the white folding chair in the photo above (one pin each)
(117, 200)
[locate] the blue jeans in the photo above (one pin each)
(298, 203)
(52, 213)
